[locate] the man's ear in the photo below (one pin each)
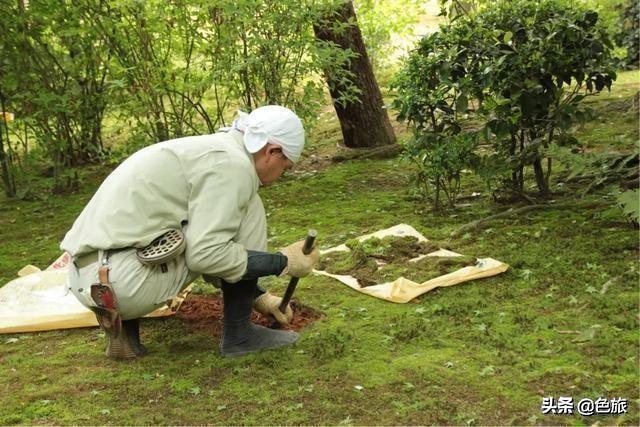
(273, 150)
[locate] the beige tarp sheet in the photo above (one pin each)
(40, 301)
(403, 290)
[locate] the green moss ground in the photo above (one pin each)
(485, 352)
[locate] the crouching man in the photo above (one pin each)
(183, 208)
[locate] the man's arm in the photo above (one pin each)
(218, 200)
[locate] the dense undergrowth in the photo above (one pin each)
(562, 321)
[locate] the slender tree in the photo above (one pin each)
(6, 162)
(363, 119)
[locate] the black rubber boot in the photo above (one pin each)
(132, 329)
(126, 345)
(239, 335)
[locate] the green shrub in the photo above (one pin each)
(53, 77)
(540, 61)
(523, 67)
(432, 95)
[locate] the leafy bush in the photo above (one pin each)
(158, 70)
(173, 59)
(524, 67)
(440, 165)
(162, 69)
(53, 77)
(541, 60)
(432, 96)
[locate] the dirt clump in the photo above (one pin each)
(376, 261)
(205, 312)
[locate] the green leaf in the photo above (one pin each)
(630, 203)
(587, 335)
(487, 371)
(508, 36)
(346, 422)
(525, 274)
(462, 103)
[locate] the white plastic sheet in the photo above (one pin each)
(40, 301)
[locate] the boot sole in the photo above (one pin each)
(246, 352)
(120, 349)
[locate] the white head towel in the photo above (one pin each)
(271, 123)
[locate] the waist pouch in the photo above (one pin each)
(163, 248)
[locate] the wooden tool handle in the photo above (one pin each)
(306, 249)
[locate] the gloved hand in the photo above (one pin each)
(299, 264)
(268, 305)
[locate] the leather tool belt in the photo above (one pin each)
(163, 248)
(104, 297)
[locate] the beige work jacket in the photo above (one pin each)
(207, 185)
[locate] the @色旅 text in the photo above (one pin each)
(585, 407)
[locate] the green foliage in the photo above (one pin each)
(630, 203)
(277, 57)
(53, 77)
(441, 164)
(456, 8)
(542, 59)
(158, 69)
(628, 35)
(170, 59)
(609, 13)
(525, 67)
(383, 24)
(433, 96)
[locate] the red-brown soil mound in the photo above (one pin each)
(205, 312)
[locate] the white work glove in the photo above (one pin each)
(268, 305)
(299, 264)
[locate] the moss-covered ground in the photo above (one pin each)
(562, 321)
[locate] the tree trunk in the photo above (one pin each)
(364, 123)
(541, 181)
(8, 175)
(8, 182)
